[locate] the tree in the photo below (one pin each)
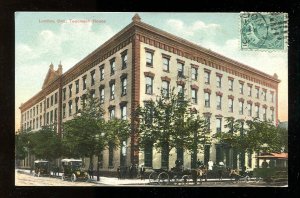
(81, 134)
(251, 135)
(21, 144)
(198, 137)
(46, 143)
(163, 123)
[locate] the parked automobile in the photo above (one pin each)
(73, 169)
(41, 168)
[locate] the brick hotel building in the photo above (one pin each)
(132, 67)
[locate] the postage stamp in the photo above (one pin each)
(263, 31)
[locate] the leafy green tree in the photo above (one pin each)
(164, 124)
(46, 144)
(82, 134)
(199, 135)
(21, 144)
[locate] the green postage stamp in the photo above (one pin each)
(264, 30)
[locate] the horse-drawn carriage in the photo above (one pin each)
(178, 175)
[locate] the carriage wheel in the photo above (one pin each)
(163, 178)
(153, 177)
(185, 179)
(73, 177)
(63, 177)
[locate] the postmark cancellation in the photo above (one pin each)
(263, 31)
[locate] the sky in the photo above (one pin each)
(42, 38)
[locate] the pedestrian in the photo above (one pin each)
(119, 172)
(91, 172)
(210, 164)
(264, 164)
(130, 171)
(142, 172)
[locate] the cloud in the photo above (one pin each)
(198, 27)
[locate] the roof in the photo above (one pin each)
(39, 161)
(274, 156)
(71, 160)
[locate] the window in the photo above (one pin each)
(51, 116)
(148, 154)
(149, 85)
(207, 99)
(272, 97)
(37, 122)
(166, 62)
(64, 94)
(41, 105)
(124, 86)
(110, 155)
(219, 81)
(55, 98)
(250, 159)
(149, 59)
(165, 88)
(93, 93)
(111, 113)
(77, 86)
(112, 66)
(124, 112)
(70, 90)
(265, 113)
(37, 109)
(70, 107)
(112, 91)
(41, 118)
(102, 73)
(257, 111)
(249, 91)
(265, 95)
(47, 105)
(241, 105)
(55, 114)
(180, 90)
(230, 82)
(207, 120)
(249, 109)
(101, 90)
(76, 104)
(33, 111)
(219, 125)
(124, 60)
(92, 77)
(149, 113)
(84, 82)
(241, 88)
(51, 101)
(206, 77)
(194, 73)
(180, 69)
(219, 102)
(64, 110)
(194, 96)
(33, 124)
(272, 115)
(230, 105)
(47, 118)
(257, 92)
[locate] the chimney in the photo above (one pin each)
(59, 70)
(51, 66)
(136, 18)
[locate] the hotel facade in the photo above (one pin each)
(132, 67)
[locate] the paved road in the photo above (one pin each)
(23, 178)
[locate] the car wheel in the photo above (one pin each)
(87, 177)
(73, 177)
(63, 177)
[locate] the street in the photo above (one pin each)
(23, 178)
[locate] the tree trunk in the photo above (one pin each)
(98, 163)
